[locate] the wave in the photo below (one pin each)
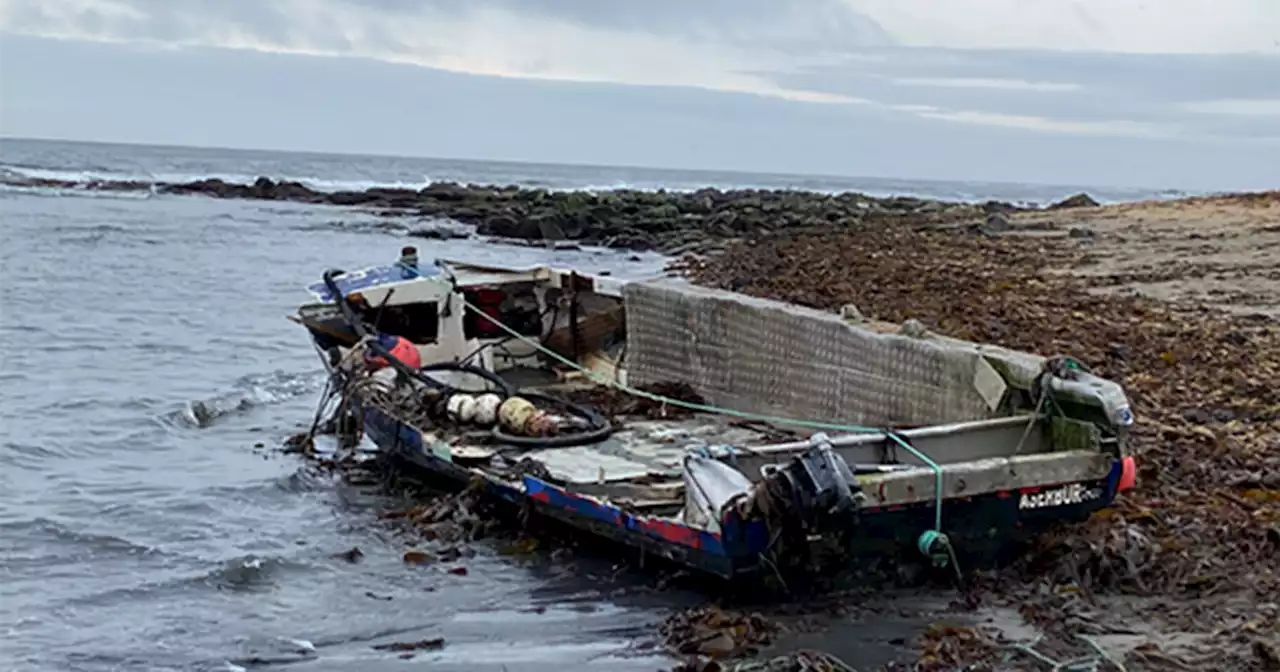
(248, 393)
(51, 530)
(11, 189)
(249, 573)
(383, 193)
(20, 175)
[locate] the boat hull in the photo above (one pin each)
(984, 529)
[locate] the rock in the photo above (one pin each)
(438, 233)
(1081, 232)
(429, 644)
(1080, 200)
(444, 191)
(503, 226)
(351, 555)
(624, 218)
(913, 328)
(999, 206)
(997, 222)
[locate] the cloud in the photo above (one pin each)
(1033, 123)
(986, 83)
(1144, 68)
(1238, 107)
(707, 44)
(720, 45)
(1115, 26)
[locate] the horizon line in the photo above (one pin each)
(526, 162)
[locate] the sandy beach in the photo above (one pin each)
(1218, 251)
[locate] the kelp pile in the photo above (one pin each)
(716, 633)
(1198, 539)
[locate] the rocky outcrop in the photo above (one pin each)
(630, 219)
(624, 218)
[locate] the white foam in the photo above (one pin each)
(13, 176)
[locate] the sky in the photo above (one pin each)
(1151, 93)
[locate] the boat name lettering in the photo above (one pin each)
(1074, 493)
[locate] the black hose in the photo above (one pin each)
(600, 430)
(601, 427)
(505, 388)
(485, 346)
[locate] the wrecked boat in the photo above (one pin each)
(803, 442)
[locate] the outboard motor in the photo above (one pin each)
(824, 493)
(811, 504)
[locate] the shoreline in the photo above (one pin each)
(671, 222)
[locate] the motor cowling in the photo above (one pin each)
(823, 490)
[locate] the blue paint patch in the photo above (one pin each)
(742, 538)
(550, 495)
(373, 276)
(387, 433)
(390, 434)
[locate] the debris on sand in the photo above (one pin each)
(448, 518)
(429, 644)
(798, 661)
(712, 639)
(1193, 548)
(418, 558)
(948, 647)
(715, 633)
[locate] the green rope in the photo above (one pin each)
(704, 408)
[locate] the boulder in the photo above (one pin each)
(1081, 200)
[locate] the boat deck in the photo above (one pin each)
(644, 455)
(639, 465)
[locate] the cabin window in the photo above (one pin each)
(418, 322)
